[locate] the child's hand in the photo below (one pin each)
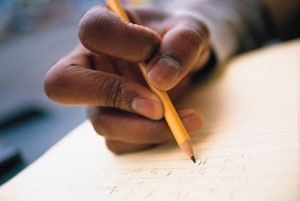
(102, 73)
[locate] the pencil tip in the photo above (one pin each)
(193, 159)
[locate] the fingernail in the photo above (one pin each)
(148, 108)
(164, 73)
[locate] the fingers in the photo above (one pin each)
(180, 51)
(68, 83)
(102, 31)
(123, 147)
(129, 128)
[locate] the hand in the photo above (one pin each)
(102, 73)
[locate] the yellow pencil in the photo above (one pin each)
(170, 114)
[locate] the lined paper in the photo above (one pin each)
(248, 148)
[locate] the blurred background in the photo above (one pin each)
(34, 34)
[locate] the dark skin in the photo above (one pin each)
(102, 73)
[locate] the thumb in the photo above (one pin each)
(179, 52)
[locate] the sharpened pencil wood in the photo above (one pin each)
(172, 118)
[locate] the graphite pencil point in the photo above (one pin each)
(193, 159)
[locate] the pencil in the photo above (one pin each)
(174, 122)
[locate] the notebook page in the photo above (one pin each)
(248, 148)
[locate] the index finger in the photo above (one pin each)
(70, 81)
(102, 31)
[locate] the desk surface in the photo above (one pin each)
(248, 148)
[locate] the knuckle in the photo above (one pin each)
(194, 31)
(203, 31)
(98, 120)
(114, 146)
(99, 28)
(119, 147)
(145, 41)
(83, 27)
(94, 118)
(110, 144)
(200, 28)
(191, 37)
(93, 25)
(112, 91)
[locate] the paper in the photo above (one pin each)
(247, 150)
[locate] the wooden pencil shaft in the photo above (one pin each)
(117, 8)
(186, 146)
(170, 113)
(171, 116)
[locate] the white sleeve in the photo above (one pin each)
(235, 25)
